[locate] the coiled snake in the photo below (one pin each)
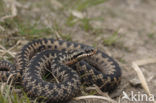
(70, 63)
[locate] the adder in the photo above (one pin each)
(70, 63)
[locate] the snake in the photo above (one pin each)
(66, 64)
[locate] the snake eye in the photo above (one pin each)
(89, 50)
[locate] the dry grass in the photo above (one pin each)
(95, 97)
(140, 74)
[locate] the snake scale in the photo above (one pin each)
(70, 64)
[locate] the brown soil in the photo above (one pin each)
(133, 20)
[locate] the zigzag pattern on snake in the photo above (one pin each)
(69, 62)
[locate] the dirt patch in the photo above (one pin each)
(124, 29)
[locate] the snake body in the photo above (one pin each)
(38, 56)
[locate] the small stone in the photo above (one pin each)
(135, 82)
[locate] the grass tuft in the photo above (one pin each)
(83, 4)
(86, 24)
(67, 37)
(151, 35)
(1, 8)
(32, 31)
(70, 21)
(112, 39)
(10, 96)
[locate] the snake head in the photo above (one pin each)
(77, 55)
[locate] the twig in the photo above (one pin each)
(17, 43)
(95, 97)
(53, 75)
(4, 51)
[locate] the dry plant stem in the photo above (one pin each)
(13, 13)
(58, 36)
(136, 65)
(145, 61)
(98, 90)
(56, 4)
(53, 75)
(11, 53)
(141, 77)
(95, 97)
(13, 10)
(4, 51)
(18, 43)
(10, 78)
(1, 28)
(2, 88)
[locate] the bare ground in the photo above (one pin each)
(124, 29)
